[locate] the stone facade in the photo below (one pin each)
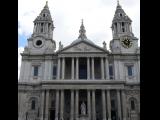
(53, 85)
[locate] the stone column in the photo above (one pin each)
(77, 68)
(63, 68)
(89, 104)
(39, 27)
(20, 105)
(22, 71)
(108, 105)
(58, 69)
(93, 106)
(46, 69)
(62, 105)
(42, 105)
(116, 70)
(124, 105)
(77, 105)
(93, 68)
(88, 68)
(27, 71)
(46, 25)
(102, 69)
(118, 27)
(57, 105)
(72, 68)
(36, 27)
(104, 104)
(47, 105)
(119, 105)
(72, 105)
(107, 69)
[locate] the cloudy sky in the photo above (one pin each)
(67, 15)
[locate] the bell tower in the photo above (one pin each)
(41, 40)
(123, 38)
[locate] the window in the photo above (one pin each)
(35, 71)
(130, 71)
(33, 105)
(120, 14)
(132, 105)
(111, 71)
(41, 27)
(123, 30)
(54, 72)
(122, 24)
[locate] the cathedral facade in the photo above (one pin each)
(81, 81)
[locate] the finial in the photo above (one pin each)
(117, 2)
(82, 21)
(46, 4)
(82, 31)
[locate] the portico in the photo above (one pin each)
(84, 68)
(95, 100)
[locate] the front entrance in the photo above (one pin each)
(52, 114)
(113, 115)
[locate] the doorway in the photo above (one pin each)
(52, 114)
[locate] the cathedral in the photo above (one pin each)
(81, 81)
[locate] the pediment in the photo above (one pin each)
(83, 47)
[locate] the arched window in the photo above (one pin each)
(33, 104)
(132, 105)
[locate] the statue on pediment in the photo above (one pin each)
(104, 45)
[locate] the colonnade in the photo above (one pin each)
(91, 104)
(75, 68)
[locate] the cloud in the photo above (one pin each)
(20, 50)
(67, 15)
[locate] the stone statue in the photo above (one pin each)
(60, 45)
(83, 109)
(104, 45)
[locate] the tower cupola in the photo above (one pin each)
(121, 23)
(43, 24)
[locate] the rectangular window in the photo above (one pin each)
(111, 71)
(35, 71)
(54, 72)
(132, 105)
(130, 70)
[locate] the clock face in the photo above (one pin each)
(126, 42)
(38, 43)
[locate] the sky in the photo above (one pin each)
(97, 17)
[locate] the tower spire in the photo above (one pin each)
(82, 31)
(121, 23)
(46, 6)
(43, 24)
(117, 2)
